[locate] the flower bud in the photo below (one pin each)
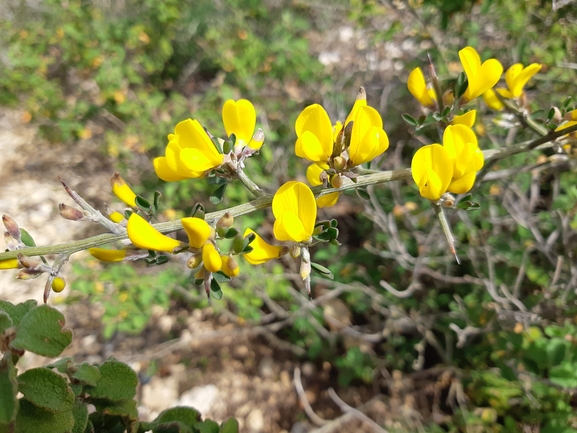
(29, 262)
(70, 213)
(295, 251)
(28, 274)
(58, 284)
(211, 258)
(194, 261)
(257, 140)
(11, 227)
(336, 181)
(225, 221)
(230, 265)
(339, 163)
(121, 189)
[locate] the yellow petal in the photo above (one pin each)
(121, 189)
(368, 139)
(288, 227)
(297, 199)
(481, 77)
(516, 77)
(467, 119)
(116, 217)
(9, 264)
(315, 121)
(230, 266)
(432, 170)
(143, 235)
(200, 160)
(239, 118)
(461, 144)
(105, 255)
(314, 172)
(198, 231)
(462, 184)
(262, 251)
(198, 152)
(211, 258)
(418, 88)
(164, 172)
(328, 200)
(492, 101)
(361, 101)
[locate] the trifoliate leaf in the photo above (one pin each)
(117, 382)
(41, 331)
(8, 392)
(18, 311)
(46, 389)
(31, 418)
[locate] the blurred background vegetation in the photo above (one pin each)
(490, 345)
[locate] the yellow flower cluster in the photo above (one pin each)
(191, 152)
(450, 167)
(340, 148)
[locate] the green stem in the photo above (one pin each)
(248, 183)
(523, 116)
(446, 229)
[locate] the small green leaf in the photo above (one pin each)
(18, 311)
(46, 389)
(221, 277)
(362, 193)
(334, 223)
(231, 233)
(186, 415)
(142, 203)
(239, 244)
(410, 120)
(8, 392)
(117, 381)
(80, 414)
(229, 426)
(461, 85)
(26, 238)
(247, 250)
(42, 331)
(198, 211)
(5, 321)
(322, 271)
(567, 102)
(217, 196)
(215, 290)
(564, 375)
(550, 114)
(88, 374)
(156, 201)
(207, 426)
(31, 418)
(161, 260)
(64, 365)
(124, 408)
(556, 350)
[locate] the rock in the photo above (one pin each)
(202, 398)
(255, 421)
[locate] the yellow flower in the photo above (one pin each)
(567, 125)
(492, 101)
(239, 118)
(461, 145)
(571, 115)
(368, 139)
(143, 235)
(198, 231)
(313, 176)
(295, 210)
(190, 153)
(121, 189)
(467, 119)
(9, 264)
(116, 217)
(229, 265)
(211, 258)
(418, 88)
(517, 76)
(314, 134)
(481, 77)
(432, 170)
(105, 255)
(262, 251)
